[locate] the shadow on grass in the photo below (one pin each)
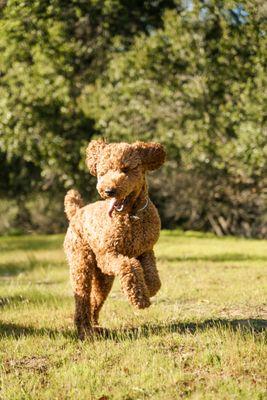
(243, 326)
(28, 243)
(16, 331)
(11, 269)
(16, 268)
(216, 258)
(12, 300)
(34, 298)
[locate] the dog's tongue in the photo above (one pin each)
(115, 204)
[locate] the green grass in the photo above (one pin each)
(204, 337)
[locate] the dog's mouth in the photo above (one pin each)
(116, 204)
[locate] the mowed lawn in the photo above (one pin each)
(204, 337)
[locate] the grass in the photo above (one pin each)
(204, 337)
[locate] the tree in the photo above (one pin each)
(49, 51)
(197, 85)
(190, 74)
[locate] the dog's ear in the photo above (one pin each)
(93, 151)
(152, 154)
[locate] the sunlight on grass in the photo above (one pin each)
(204, 337)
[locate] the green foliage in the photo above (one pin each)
(197, 85)
(190, 74)
(49, 51)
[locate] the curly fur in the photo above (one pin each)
(100, 244)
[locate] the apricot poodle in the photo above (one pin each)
(114, 236)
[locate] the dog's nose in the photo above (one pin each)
(110, 192)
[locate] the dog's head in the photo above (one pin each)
(120, 167)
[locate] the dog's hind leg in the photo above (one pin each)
(82, 264)
(101, 286)
(151, 274)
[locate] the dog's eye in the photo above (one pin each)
(125, 169)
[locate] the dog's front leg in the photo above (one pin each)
(151, 274)
(131, 277)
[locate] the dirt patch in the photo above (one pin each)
(34, 363)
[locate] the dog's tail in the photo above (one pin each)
(72, 202)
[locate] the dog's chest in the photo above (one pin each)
(127, 236)
(124, 236)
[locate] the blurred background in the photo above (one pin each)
(190, 74)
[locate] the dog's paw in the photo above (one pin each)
(85, 332)
(101, 332)
(142, 303)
